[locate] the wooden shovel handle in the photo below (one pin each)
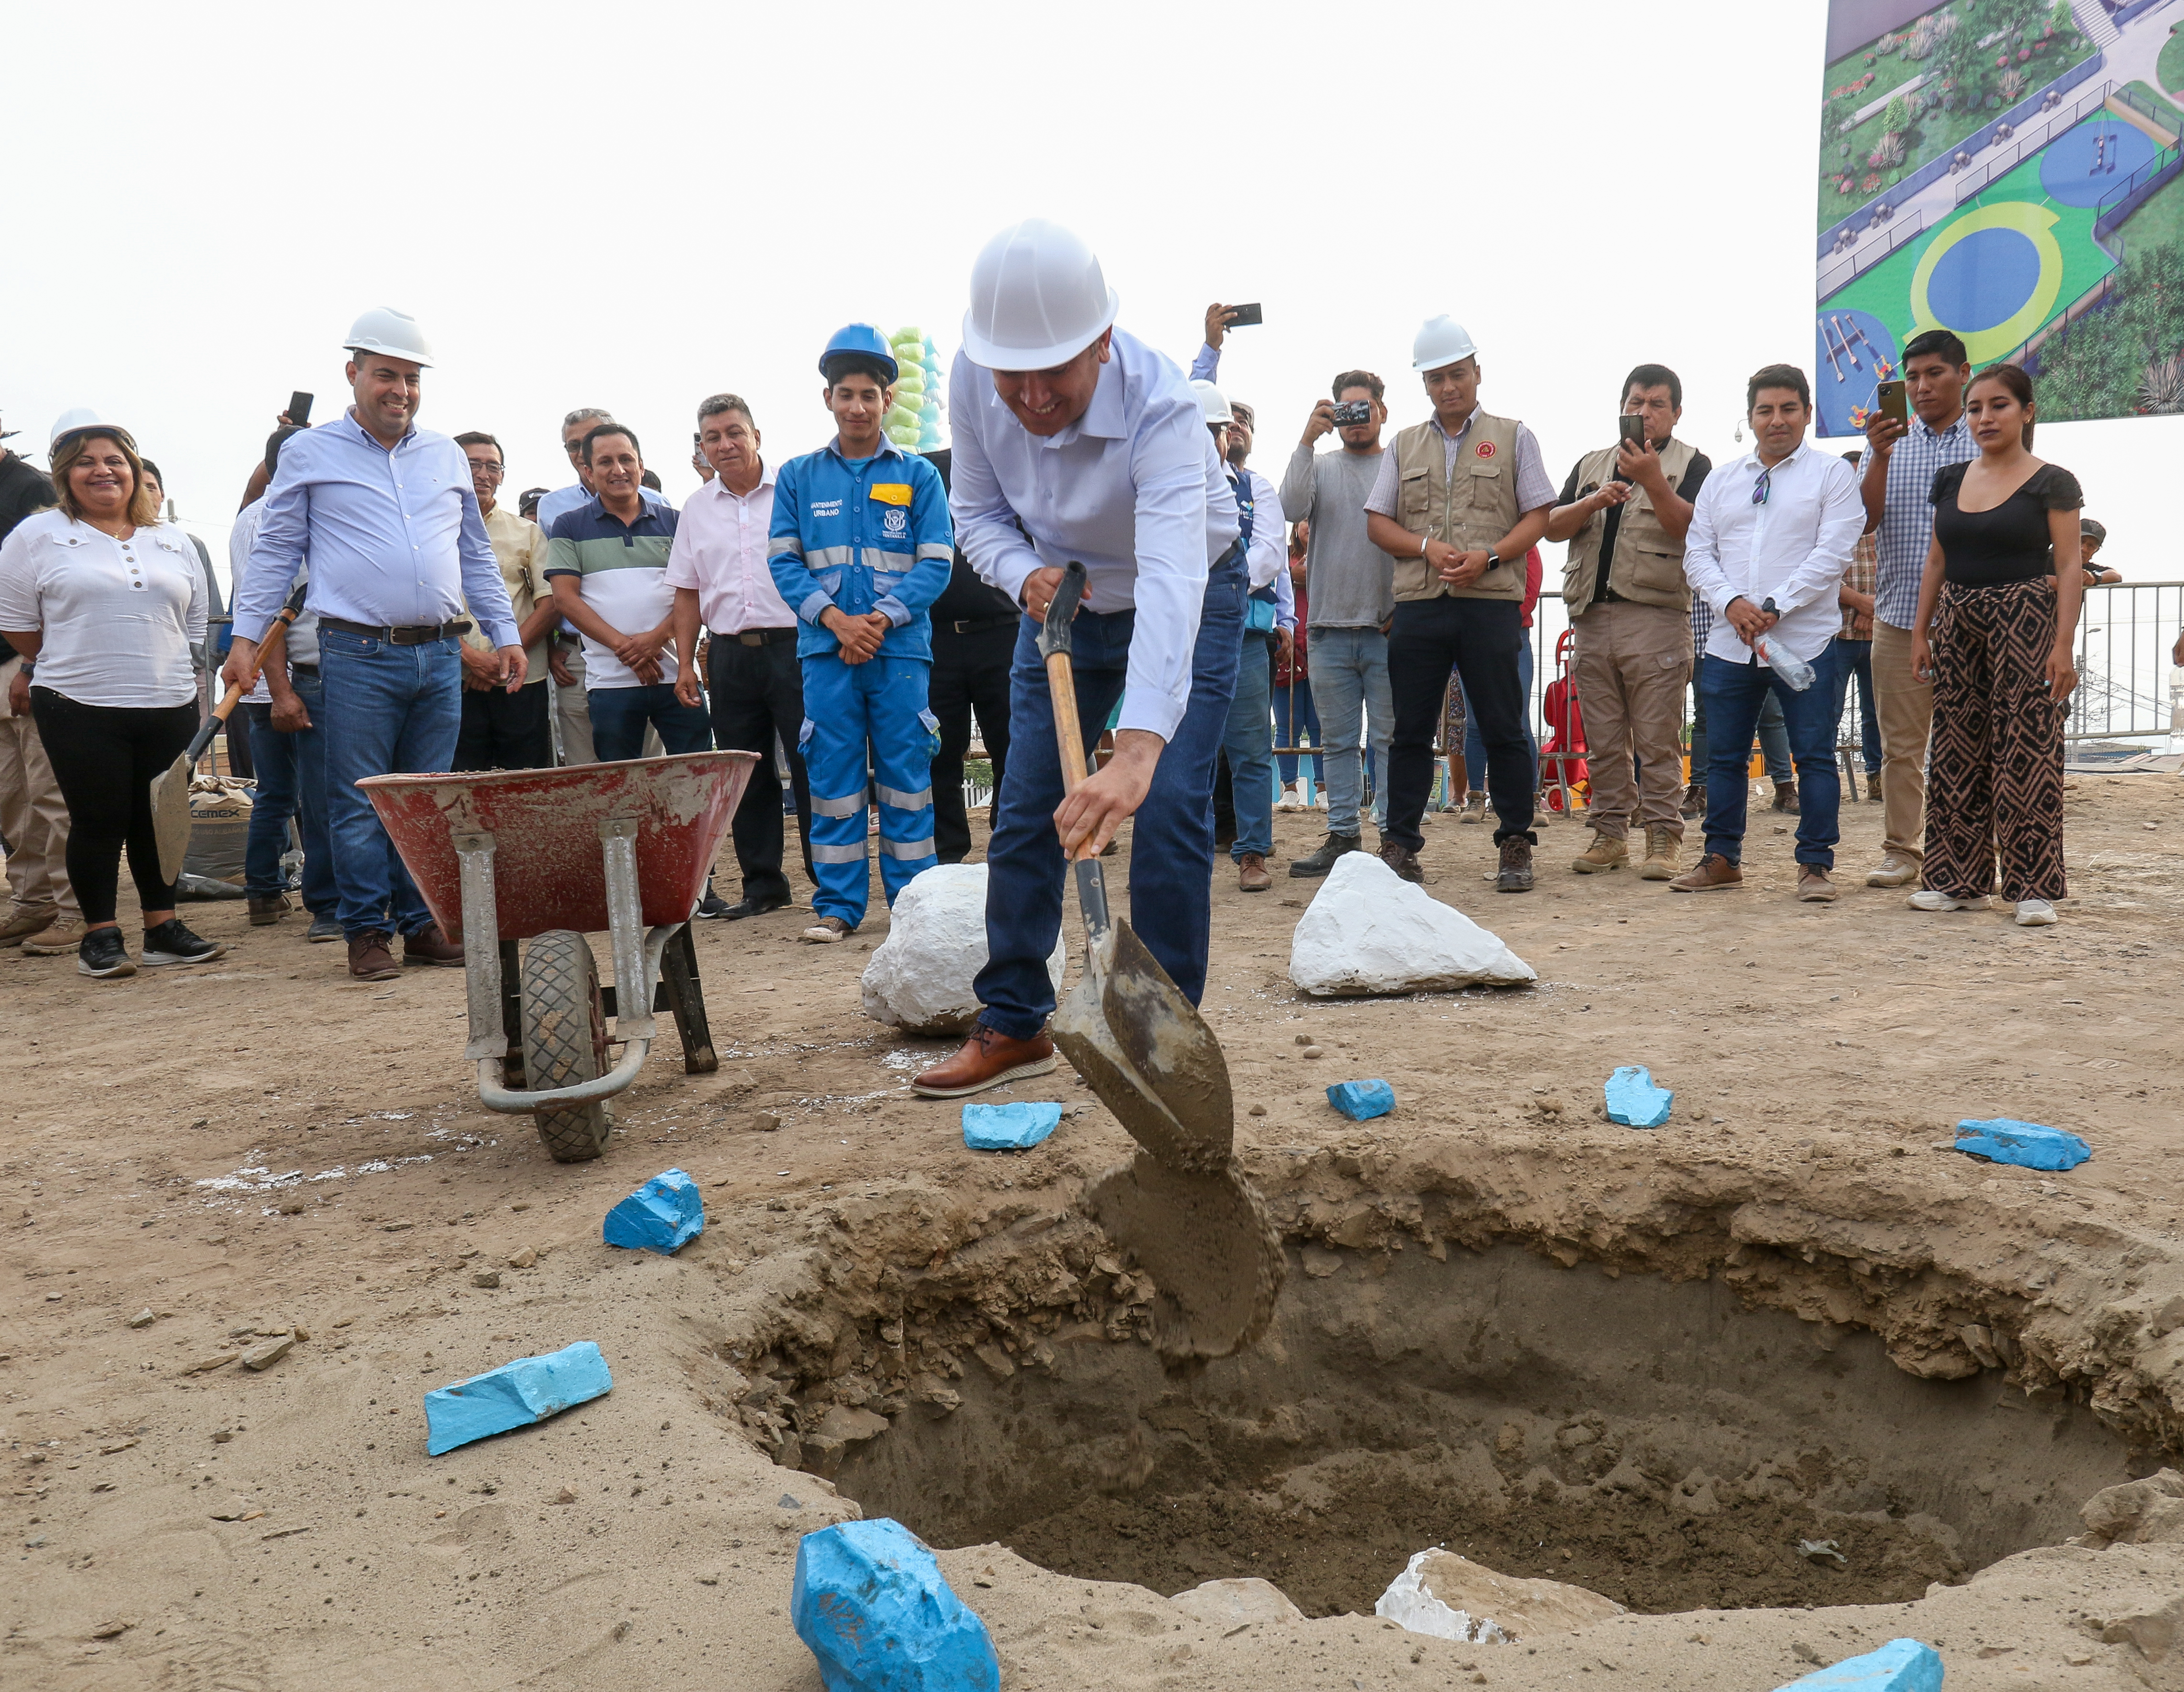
(1061, 688)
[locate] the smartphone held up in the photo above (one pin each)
(1352, 414)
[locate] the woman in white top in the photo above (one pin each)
(104, 602)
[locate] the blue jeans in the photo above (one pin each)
(1734, 694)
(390, 711)
(1854, 658)
(869, 725)
(1349, 686)
(1774, 738)
(1171, 836)
(1290, 722)
(292, 783)
(1474, 746)
(1249, 741)
(618, 716)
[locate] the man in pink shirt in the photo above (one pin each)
(719, 572)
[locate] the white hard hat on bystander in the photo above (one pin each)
(1038, 299)
(84, 420)
(1212, 402)
(385, 329)
(1442, 341)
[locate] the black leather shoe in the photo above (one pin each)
(753, 907)
(711, 906)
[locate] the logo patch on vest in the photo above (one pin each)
(1486, 450)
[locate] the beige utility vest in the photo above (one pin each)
(1648, 567)
(1470, 506)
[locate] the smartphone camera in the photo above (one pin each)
(1633, 430)
(1352, 413)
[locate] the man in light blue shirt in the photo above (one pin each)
(1075, 442)
(386, 512)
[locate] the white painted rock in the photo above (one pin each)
(1232, 1603)
(1368, 930)
(919, 979)
(1453, 1598)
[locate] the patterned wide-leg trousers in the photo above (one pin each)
(1995, 772)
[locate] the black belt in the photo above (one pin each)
(980, 625)
(761, 637)
(303, 669)
(410, 634)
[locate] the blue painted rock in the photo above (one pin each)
(2002, 1139)
(663, 1216)
(1899, 1666)
(1361, 1100)
(873, 1606)
(515, 1396)
(1633, 1099)
(1008, 1127)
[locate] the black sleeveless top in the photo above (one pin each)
(2009, 543)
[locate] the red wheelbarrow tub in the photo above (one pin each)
(549, 871)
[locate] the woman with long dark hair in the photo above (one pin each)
(1995, 632)
(104, 602)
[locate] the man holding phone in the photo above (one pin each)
(1898, 479)
(1625, 512)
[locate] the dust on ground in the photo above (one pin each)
(260, 1146)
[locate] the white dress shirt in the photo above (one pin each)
(118, 617)
(1132, 489)
(1793, 548)
(720, 551)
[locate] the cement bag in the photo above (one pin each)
(219, 829)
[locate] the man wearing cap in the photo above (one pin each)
(33, 815)
(1460, 500)
(386, 514)
(1075, 442)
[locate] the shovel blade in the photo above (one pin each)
(1204, 1238)
(170, 815)
(1143, 1048)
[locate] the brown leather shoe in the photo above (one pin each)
(1813, 886)
(1252, 875)
(368, 957)
(1710, 874)
(1402, 860)
(266, 909)
(987, 1059)
(428, 945)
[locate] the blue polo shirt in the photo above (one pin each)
(861, 535)
(621, 572)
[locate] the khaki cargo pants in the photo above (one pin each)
(1631, 664)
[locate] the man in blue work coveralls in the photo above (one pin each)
(862, 545)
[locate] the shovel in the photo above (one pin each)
(1183, 1206)
(170, 788)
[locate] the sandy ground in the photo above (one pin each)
(260, 1146)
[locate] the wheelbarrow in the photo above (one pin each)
(549, 856)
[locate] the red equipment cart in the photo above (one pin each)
(549, 856)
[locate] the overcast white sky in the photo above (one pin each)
(635, 205)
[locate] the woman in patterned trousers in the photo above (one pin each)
(1997, 623)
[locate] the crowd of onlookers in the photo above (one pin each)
(816, 611)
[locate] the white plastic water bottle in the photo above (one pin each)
(1795, 671)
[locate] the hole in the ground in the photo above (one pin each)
(1654, 1441)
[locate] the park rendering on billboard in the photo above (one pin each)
(2008, 170)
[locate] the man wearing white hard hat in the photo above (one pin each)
(1075, 442)
(386, 513)
(1461, 499)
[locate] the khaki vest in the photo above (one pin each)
(1649, 562)
(1470, 507)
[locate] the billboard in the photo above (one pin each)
(2007, 170)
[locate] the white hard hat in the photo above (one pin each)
(1037, 297)
(1212, 402)
(1440, 340)
(84, 420)
(385, 329)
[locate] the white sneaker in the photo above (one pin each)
(1927, 899)
(1319, 799)
(2034, 913)
(1896, 869)
(1291, 799)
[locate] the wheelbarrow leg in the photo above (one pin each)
(483, 975)
(686, 999)
(625, 922)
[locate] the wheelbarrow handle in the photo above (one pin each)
(1069, 735)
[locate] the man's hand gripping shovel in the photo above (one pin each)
(1183, 1207)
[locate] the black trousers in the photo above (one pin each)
(505, 731)
(757, 693)
(970, 673)
(104, 758)
(1480, 640)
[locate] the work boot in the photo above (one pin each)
(1694, 803)
(987, 1059)
(1813, 886)
(1607, 852)
(1322, 861)
(266, 909)
(1402, 860)
(26, 919)
(1711, 874)
(1515, 875)
(62, 935)
(1898, 869)
(372, 957)
(1474, 807)
(1252, 875)
(1662, 849)
(1785, 796)
(103, 954)
(428, 945)
(1873, 790)
(170, 942)
(828, 931)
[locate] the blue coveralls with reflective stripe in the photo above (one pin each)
(864, 535)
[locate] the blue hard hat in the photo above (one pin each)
(863, 339)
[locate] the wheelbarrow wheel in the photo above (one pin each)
(565, 1040)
